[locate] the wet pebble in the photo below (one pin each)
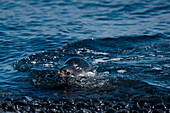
(80, 105)
(20, 102)
(157, 111)
(119, 106)
(85, 111)
(123, 111)
(44, 103)
(27, 98)
(8, 107)
(26, 108)
(37, 110)
(8, 99)
(160, 106)
(1, 110)
(136, 107)
(70, 102)
(28, 104)
(110, 110)
(34, 103)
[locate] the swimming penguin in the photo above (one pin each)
(74, 67)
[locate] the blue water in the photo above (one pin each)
(128, 40)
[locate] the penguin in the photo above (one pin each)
(74, 67)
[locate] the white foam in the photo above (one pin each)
(48, 65)
(121, 71)
(91, 51)
(96, 61)
(33, 62)
(103, 60)
(141, 56)
(91, 74)
(151, 54)
(116, 59)
(156, 68)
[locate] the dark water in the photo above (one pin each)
(127, 40)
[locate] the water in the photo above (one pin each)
(125, 40)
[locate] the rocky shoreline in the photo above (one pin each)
(27, 104)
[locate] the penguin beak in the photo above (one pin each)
(59, 74)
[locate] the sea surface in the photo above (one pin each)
(125, 41)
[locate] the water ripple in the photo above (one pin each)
(127, 39)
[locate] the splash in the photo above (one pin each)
(141, 58)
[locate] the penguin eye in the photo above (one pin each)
(68, 73)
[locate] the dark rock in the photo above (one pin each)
(56, 101)
(66, 106)
(60, 110)
(136, 107)
(101, 103)
(52, 110)
(8, 107)
(134, 111)
(157, 111)
(8, 99)
(17, 107)
(4, 106)
(83, 110)
(34, 103)
(106, 107)
(123, 111)
(11, 108)
(146, 105)
(53, 105)
(145, 110)
(43, 110)
(160, 106)
(110, 110)
(119, 106)
(27, 98)
(59, 105)
(1, 110)
(26, 108)
(37, 110)
(97, 108)
(107, 102)
(89, 103)
(20, 102)
(70, 110)
(44, 103)
(168, 110)
(70, 102)
(122, 104)
(167, 105)
(80, 105)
